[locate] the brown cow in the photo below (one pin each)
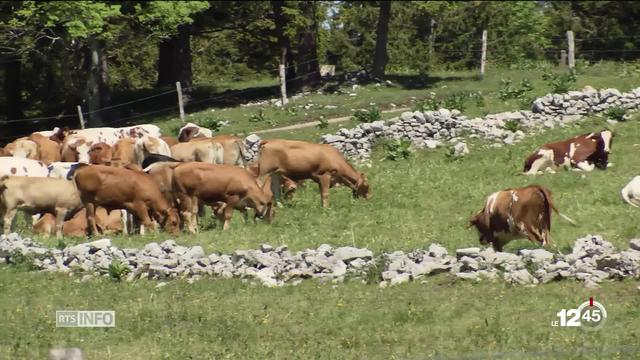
(100, 154)
(584, 152)
(170, 140)
(35, 195)
(324, 164)
(208, 152)
(124, 152)
(48, 150)
(516, 213)
(213, 184)
(121, 188)
(107, 222)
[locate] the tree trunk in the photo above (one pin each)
(96, 90)
(174, 59)
(281, 23)
(308, 66)
(381, 58)
(13, 89)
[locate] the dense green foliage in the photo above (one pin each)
(46, 47)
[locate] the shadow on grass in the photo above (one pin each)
(415, 81)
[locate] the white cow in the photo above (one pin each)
(631, 192)
(110, 136)
(14, 166)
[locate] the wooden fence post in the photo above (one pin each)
(563, 59)
(483, 59)
(572, 50)
(283, 78)
(80, 117)
(180, 102)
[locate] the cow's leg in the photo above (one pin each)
(90, 210)
(290, 188)
(60, 215)
(497, 245)
(324, 182)
(9, 214)
(227, 212)
(142, 213)
(194, 214)
(124, 216)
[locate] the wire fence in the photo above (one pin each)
(130, 110)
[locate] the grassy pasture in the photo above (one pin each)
(427, 198)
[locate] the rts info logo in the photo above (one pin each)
(590, 315)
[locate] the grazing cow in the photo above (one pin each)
(100, 154)
(203, 151)
(35, 195)
(299, 160)
(149, 145)
(121, 188)
(631, 192)
(288, 185)
(107, 222)
(191, 131)
(48, 150)
(170, 140)
(516, 213)
(584, 152)
(215, 183)
(22, 167)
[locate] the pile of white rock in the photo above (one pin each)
(252, 147)
(591, 260)
(431, 129)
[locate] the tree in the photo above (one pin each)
(307, 55)
(380, 57)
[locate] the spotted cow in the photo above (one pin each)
(14, 166)
(516, 213)
(583, 152)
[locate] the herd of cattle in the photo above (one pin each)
(102, 180)
(105, 180)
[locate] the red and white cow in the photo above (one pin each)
(516, 213)
(584, 152)
(190, 131)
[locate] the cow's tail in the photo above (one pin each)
(550, 206)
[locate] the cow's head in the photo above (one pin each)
(479, 221)
(190, 132)
(362, 188)
(100, 153)
(604, 141)
(81, 149)
(172, 221)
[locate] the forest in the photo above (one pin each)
(60, 54)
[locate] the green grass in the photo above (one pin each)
(213, 319)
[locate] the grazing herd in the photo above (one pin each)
(105, 180)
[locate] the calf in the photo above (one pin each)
(37, 195)
(516, 213)
(324, 164)
(202, 151)
(631, 192)
(107, 223)
(100, 154)
(121, 188)
(584, 152)
(213, 184)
